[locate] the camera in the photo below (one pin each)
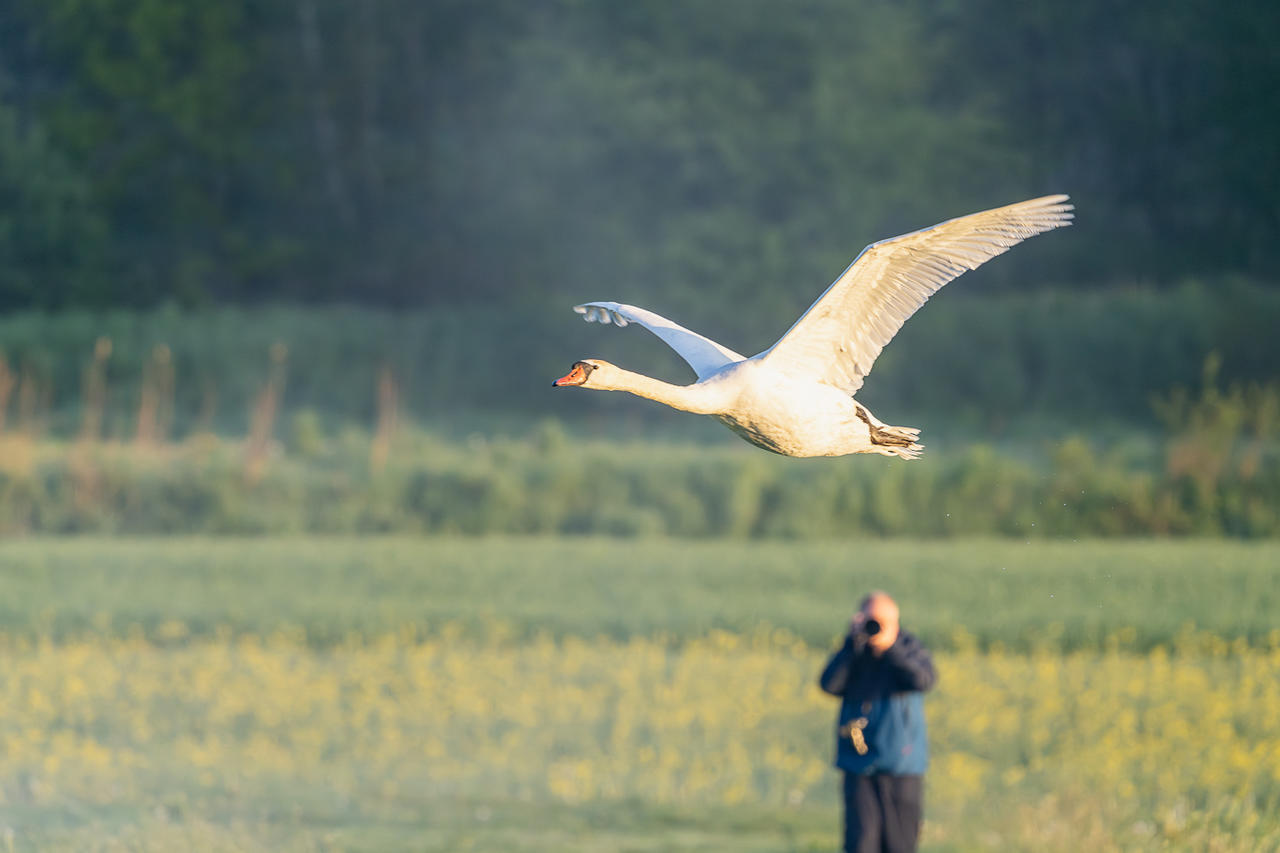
(871, 627)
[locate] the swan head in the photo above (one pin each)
(580, 373)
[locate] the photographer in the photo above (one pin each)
(880, 674)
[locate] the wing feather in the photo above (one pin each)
(839, 338)
(704, 355)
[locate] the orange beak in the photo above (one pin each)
(577, 376)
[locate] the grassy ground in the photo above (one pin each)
(591, 695)
(1017, 594)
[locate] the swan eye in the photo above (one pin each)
(577, 374)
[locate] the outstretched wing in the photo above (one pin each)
(840, 336)
(704, 355)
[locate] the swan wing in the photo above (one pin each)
(838, 339)
(704, 355)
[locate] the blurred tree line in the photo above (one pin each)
(683, 155)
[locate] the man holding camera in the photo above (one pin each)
(880, 673)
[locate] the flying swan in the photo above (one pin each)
(796, 398)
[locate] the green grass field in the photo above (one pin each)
(1018, 594)
(603, 695)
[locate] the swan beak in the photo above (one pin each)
(577, 376)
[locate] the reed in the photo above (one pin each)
(999, 365)
(95, 391)
(6, 388)
(262, 418)
(33, 402)
(155, 401)
(388, 419)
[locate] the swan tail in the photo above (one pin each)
(889, 440)
(897, 441)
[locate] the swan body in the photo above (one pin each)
(796, 398)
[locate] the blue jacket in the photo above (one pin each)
(882, 707)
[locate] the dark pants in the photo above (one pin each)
(882, 813)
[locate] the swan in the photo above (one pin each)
(796, 397)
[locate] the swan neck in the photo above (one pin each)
(687, 398)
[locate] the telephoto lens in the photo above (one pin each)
(870, 627)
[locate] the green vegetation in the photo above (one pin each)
(985, 363)
(300, 269)
(1212, 469)
(1017, 595)
(542, 695)
(1220, 476)
(686, 155)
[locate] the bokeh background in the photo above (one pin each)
(300, 548)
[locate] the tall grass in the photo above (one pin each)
(552, 483)
(164, 466)
(987, 362)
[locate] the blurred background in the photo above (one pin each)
(285, 490)
(294, 221)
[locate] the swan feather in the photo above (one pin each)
(704, 355)
(839, 338)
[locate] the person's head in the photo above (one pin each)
(878, 605)
(878, 611)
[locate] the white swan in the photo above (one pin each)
(796, 398)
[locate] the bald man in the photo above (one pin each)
(880, 674)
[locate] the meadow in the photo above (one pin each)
(603, 694)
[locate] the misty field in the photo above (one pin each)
(594, 694)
